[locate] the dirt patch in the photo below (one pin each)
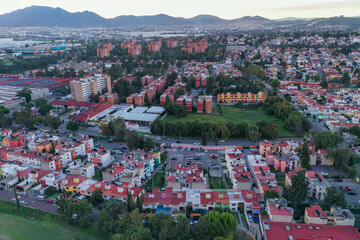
(4, 237)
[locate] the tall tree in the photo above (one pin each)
(26, 93)
(149, 144)
(334, 198)
(139, 204)
(304, 156)
(72, 126)
(297, 192)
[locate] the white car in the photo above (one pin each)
(324, 173)
(23, 193)
(250, 218)
(23, 202)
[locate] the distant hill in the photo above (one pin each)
(293, 19)
(50, 17)
(38, 16)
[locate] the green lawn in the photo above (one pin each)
(32, 224)
(236, 115)
(158, 181)
(216, 183)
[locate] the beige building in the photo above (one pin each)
(337, 216)
(83, 88)
(278, 210)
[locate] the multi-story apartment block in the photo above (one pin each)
(83, 88)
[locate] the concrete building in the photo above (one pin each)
(82, 89)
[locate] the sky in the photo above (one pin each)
(227, 9)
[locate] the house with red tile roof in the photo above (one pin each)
(299, 231)
(278, 210)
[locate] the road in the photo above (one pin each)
(32, 202)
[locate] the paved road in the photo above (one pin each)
(32, 202)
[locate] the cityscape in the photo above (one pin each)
(159, 127)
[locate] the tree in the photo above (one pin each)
(275, 83)
(116, 127)
(324, 84)
(352, 171)
(139, 204)
(326, 139)
(270, 194)
(26, 93)
(180, 91)
(41, 102)
(52, 122)
(45, 109)
(148, 144)
(130, 202)
(297, 122)
(182, 228)
(253, 135)
(297, 192)
(96, 198)
(134, 141)
(72, 126)
(221, 225)
(202, 229)
(334, 198)
(304, 156)
(346, 79)
(95, 97)
(341, 157)
(267, 129)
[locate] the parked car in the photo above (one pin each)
(2, 188)
(348, 188)
(50, 200)
(23, 193)
(351, 193)
(339, 180)
(324, 174)
(23, 202)
(40, 197)
(174, 158)
(250, 218)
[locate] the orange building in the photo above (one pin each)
(171, 43)
(105, 50)
(243, 97)
(154, 46)
(109, 97)
(132, 47)
(204, 104)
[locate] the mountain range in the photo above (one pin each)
(39, 16)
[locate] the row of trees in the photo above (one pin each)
(296, 194)
(134, 225)
(281, 109)
(215, 131)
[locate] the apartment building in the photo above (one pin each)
(82, 89)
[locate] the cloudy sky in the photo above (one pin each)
(227, 9)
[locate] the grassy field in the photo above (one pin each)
(32, 224)
(236, 115)
(216, 183)
(158, 181)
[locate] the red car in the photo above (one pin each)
(50, 200)
(348, 188)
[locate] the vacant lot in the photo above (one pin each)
(236, 115)
(32, 224)
(17, 227)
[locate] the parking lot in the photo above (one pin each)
(203, 158)
(355, 188)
